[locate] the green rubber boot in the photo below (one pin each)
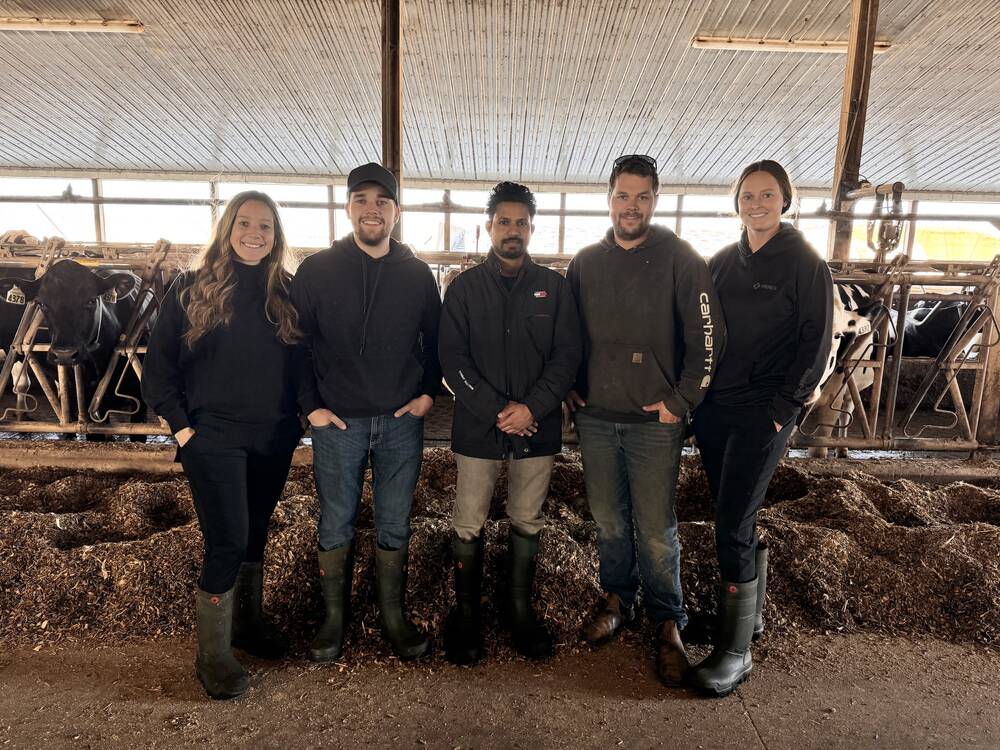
(531, 638)
(761, 563)
(336, 571)
(390, 583)
(219, 671)
(463, 636)
(252, 632)
(730, 662)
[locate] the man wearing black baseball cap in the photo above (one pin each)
(370, 311)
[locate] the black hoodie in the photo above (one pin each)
(371, 327)
(778, 305)
(240, 379)
(651, 323)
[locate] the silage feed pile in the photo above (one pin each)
(91, 555)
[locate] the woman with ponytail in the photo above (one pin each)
(776, 296)
(221, 369)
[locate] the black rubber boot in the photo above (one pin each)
(252, 632)
(730, 663)
(219, 671)
(531, 638)
(336, 570)
(761, 562)
(390, 583)
(463, 636)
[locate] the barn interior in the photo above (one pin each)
(129, 124)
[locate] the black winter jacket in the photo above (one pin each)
(778, 304)
(371, 329)
(498, 346)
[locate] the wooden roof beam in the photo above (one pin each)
(853, 111)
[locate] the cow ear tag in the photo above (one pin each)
(15, 296)
(111, 296)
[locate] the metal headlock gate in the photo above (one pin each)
(92, 415)
(876, 419)
(925, 422)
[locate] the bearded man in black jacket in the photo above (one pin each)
(369, 310)
(510, 349)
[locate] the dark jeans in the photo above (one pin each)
(630, 472)
(340, 457)
(740, 449)
(235, 489)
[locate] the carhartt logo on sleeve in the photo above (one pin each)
(708, 328)
(541, 295)
(636, 358)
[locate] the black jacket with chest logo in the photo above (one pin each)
(778, 305)
(498, 345)
(651, 323)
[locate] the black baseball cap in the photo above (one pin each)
(372, 172)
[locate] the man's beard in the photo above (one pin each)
(373, 235)
(634, 234)
(510, 249)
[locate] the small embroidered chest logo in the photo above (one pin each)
(541, 295)
(636, 358)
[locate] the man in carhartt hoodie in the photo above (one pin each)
(653, 332)
(370, 311)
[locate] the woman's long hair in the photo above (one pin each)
(208, 301)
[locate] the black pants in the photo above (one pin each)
(235, 485)
(740, 449)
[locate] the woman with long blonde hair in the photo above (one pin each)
(221, 369)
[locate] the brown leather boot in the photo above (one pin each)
(671, 658)
(612, 617)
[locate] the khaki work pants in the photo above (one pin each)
(527, 486)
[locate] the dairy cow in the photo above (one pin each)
(85, 312)
(927, 329)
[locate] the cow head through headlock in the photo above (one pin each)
(83, 325)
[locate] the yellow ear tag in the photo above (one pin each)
(15, 296)
(111, 296)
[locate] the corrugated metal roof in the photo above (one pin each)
(539, 91)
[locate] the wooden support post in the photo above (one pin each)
(562, 224)
(213, 207)
(392, 94)
(331, 214)
(853, 110)
(911, 228)
(98, 212)
(447, 222)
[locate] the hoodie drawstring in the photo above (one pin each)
(368, 304)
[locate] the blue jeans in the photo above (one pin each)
(630, 472)
(340, 458)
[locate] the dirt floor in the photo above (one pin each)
(817, 691)
(883, 620)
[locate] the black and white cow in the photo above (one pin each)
(855, 314)
(831, 404)
(85, 313)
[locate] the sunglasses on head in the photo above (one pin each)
(634, 157)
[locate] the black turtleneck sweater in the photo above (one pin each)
(778, 306)
(240, 378)
(371, 328)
